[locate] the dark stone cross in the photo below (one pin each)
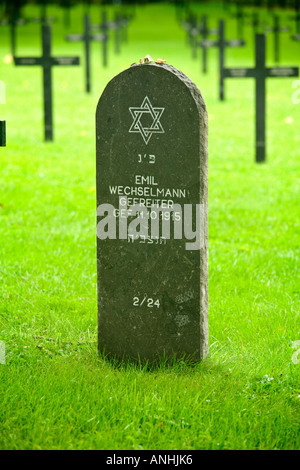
(190, 25)
(260, 72)
(87, 37)
(221, 43)
(117, 35)
(13, 21)
(152, 160)
(104, 27)
(205, 31)
(47, 62)
(43, 18)
(2, 133)
(240, 17)
(121, 30)
(277, 29)
(123, 21)
(2, 123)
(67, 5)
(297, 16)
(256, 23)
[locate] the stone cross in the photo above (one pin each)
(205, 31)
(13, 21)
(43, 18)
(296, 18)
(2, 123)
(277, 29)
(104, 27)
(46, 61)
(240, 17)
(260, 72)
(191, 27)
(222, 43)
(151, 172)
(2, 133)
(87, 37)
(256, 23)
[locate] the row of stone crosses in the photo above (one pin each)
(199, 36)
(119, 25)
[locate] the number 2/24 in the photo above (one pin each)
(148, 301)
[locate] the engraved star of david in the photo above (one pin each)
(137, 127)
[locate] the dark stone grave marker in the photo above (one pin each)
(191, 27)
(296, 17)
(151, 149)
(104, 26)
(257, 24)
(47, 62)
(2, 133)
(240, 19)
(43, 18)
(14, 19)
(221, 43)
(67, 6)
(277, 29)
(87, 37)
(2, 123)
(260, 72)
(205, 31)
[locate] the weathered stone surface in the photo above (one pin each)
(151, 145)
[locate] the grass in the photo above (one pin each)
(56, 391)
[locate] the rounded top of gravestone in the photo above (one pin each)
(137, 75)
(149, 107)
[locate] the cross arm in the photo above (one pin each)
(235, 42)
(239, 72)
(74, 37)
(282, 71)
(283, 29)
(99, 37)
(208, 43)
(28, 60)
(65, 60)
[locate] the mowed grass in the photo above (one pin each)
(56, 391)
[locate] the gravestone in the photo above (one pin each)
(151, 152)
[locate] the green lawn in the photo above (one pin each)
(56, 392)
